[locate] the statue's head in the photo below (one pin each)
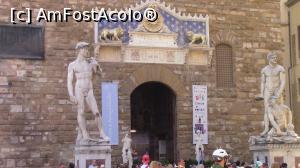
(272, 57)
(94, 162)
(120, 31)
(82, 49)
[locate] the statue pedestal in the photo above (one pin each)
(85, 154)
(281, 153)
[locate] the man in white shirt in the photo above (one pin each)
(93, 165)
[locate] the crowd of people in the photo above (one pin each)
(221, 159)
(93, 164)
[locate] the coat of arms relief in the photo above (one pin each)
(173, 38)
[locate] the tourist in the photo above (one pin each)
(71, 165)
(220, 158)
(258, 164)
(93, 165)
(61, 165)
(145, 160)
(135, 155)
(265, 165)
(155, 164)
(284, 165)
(234, 165)
(169, 166)
(242, 165)
(181, 163)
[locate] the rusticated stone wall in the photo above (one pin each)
(37, 122)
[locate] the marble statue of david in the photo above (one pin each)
(83, 68)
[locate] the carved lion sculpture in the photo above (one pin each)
(196, 38)
(112, 34)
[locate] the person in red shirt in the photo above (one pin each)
(145, 160)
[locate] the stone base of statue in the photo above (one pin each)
(89, 152)
(277, 152)
(275, 139)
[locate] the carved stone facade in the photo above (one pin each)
(38, 123)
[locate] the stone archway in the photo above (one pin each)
(152, 120)
(156, 74)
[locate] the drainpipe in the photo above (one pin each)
(291, 65)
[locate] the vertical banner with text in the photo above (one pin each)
(200, 113)
(110, 116)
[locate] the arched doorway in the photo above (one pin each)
(153, 120)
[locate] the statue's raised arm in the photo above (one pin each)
(95, 65)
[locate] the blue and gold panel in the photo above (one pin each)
(189, 29)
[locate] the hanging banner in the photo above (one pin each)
(110, 116)
(200, 113)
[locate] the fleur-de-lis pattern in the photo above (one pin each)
(174, 24)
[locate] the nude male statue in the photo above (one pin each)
(272, 85)
(126, 150)
(199, 148)
(83, 68)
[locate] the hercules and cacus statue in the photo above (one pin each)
(278, 126)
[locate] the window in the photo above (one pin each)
(21, 41)
(224, 66)
(293, 50)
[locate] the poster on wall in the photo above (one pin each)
(110, 116)
(200, 113)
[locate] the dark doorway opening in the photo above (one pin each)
(153, 123)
